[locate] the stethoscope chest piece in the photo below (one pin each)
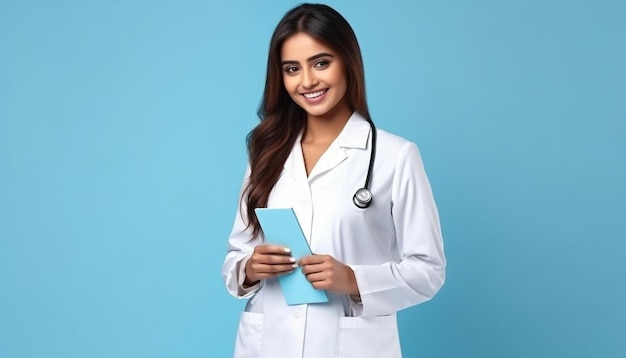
(362, 198)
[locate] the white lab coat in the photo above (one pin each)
(394, 247)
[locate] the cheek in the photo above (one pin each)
(339, 78)
(290, 84)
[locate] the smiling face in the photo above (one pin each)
(314, 76)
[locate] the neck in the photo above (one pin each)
(326, 128)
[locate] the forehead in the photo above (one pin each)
(301, 46)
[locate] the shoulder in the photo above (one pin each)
(395, 146)
(390, 138)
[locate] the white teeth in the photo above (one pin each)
(314, 94)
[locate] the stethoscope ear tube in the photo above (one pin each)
(363, 197)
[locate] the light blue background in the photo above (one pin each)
(122, 128)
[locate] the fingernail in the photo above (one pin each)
(287, 249)
(294, 265)
(292, 259)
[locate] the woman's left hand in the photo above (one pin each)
(326, 273)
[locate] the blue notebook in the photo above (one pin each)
(280, 226)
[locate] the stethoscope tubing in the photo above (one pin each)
(363, 197)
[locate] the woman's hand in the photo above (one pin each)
(326, 273)
(268, 261)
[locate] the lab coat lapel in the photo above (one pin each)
(354, 134)
(333, 156)
(294, 167)
(296, 192)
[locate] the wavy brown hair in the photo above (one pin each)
(282, 120)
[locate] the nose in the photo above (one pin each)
(309, 80)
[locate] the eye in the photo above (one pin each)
(290, 69)
(322, 64)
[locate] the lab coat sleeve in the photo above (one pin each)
(420, 272)
(240, 248)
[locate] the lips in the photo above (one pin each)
(316, 94)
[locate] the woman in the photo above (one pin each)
(311, 152)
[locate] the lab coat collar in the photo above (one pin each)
(355, 134)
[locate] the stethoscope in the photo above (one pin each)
(363, 197)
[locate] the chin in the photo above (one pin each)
(318, 113)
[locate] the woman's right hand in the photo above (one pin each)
(268, 261)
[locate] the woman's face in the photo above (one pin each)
(314, 76)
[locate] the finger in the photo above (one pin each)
(313, 268)
(272, 259)
(272, 269)
(313, 259)
(271, 275)
(279, 272)
(316, 277)
(272, 249)
(321, 285)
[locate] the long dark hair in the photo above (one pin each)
(282, 120)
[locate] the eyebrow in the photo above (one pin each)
(312, 58)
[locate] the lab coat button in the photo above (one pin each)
(296, 314)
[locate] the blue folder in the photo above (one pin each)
(281, 227)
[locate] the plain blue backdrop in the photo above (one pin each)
(122, 127)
